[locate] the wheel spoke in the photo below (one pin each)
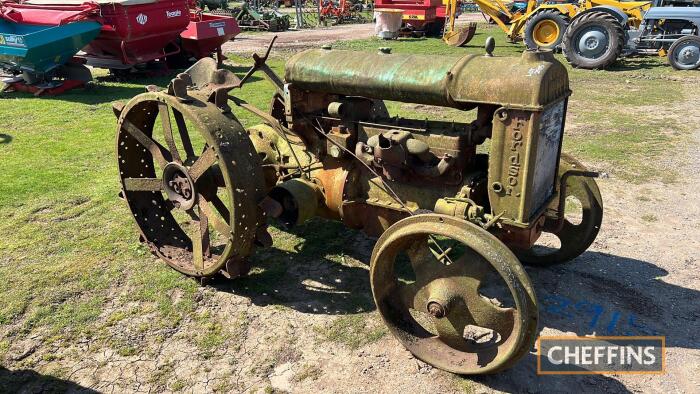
(168, 131)
(143, 184)
(480, 315)
(200, 240)
(220, 226)
(479, 310)
(204, 232)
(568, 235)
(184, 135)
(221, 207)
(486, 314)
(203, 163)
(450, 328)
(422, 260)
(413, 296)
(159, 153)
(473, 266)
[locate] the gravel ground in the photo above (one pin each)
(247, 42)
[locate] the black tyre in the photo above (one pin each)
(593, 41)
(684, 54)
(545, 29)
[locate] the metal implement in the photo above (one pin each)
(457, 37)
(542, 24)
(250, 15)
(443, 272)
(596, 38)
(37, 47)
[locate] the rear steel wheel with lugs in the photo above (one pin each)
(453, 294)
(192, 181)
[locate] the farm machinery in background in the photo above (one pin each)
(593, 34)
(541, 24)
(430, 18)
(342, 11)
(40, 40)
(454, 223)
(253, 15)
(596, 38)
(420, 17)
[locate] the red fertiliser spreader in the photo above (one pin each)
(133, 31)
(420, 17)
(136, 32)
(206, 33)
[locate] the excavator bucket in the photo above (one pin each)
(461, 36)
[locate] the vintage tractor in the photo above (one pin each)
(454, 223)
(541, 24)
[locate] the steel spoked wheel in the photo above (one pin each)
(581, 223)
(192, 181)
(684, 54)
(453, 294)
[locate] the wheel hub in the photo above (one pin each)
(546, 33)
(437, 309)
(179, 187)
(689, 55)
(592, 43)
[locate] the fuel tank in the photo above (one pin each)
(529, 82)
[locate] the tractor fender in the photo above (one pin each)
(619, 15)
(689, 14)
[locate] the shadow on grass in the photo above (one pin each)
(29, 381)
(5, 138)
(110, 88)
(312, 279)
(634, 63)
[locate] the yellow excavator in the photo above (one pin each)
(453, 36)
(542, 23)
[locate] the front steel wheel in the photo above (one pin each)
(453, 294)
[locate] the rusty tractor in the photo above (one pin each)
(454, 222)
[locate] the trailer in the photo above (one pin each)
(126, 33)
(37, 47)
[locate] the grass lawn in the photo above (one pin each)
(70, 262)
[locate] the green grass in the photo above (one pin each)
(648, 217)
(353, 331)
(308, 372)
